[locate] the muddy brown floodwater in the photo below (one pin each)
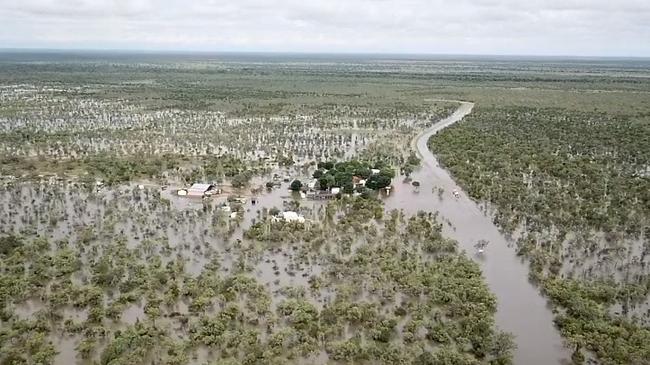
(522, 310)
(60, 212)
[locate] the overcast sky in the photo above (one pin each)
(526, 27)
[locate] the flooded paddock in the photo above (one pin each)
(344, 261)
(148, 228)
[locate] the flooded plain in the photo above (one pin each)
(152, 223)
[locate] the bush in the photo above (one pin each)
(8, 244)
(296, 185)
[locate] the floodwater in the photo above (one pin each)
(60, 212)
(522, 310)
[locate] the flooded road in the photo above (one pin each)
(522, 310)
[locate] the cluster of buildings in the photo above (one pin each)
(313, 192)
(310, 191)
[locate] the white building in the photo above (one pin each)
(293, 217)
(199, 189)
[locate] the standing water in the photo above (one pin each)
(522, 310)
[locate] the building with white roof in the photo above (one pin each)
(199, 189)
(292, 217)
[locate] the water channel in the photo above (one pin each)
(522, 310)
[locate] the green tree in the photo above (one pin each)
(378, 181)
(318, 174)
(296, 185)
(387, 172)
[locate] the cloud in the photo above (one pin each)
(570, 27)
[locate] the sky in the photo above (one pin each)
(493, 27)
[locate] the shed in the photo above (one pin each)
(199, 189)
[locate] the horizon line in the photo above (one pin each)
(306, 53)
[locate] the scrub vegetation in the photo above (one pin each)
(358, 287)
(103, 261)
(573, 186)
